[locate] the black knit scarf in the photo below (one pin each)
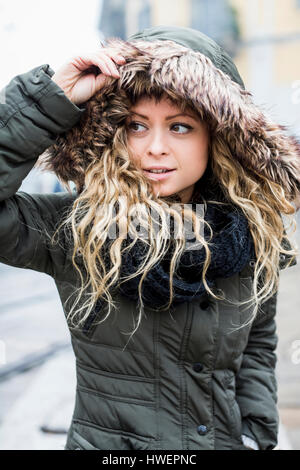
(232, 247)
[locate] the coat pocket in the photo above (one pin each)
(234, 412)
(80, 443)
(100, 438)
(226, 412)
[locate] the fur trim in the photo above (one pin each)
(255, 141)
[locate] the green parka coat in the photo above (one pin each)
(186, 381)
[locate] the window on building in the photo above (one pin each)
(112, 21)
(216, 19)
(145, 15)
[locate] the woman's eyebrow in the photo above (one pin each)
(167, 118)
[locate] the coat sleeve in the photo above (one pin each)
(256, 384)
(33, 111)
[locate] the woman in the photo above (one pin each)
(198, 368)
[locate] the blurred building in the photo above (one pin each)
(124, 17)
(269, 52)
(216, 18)
(33, 33)
(263, 36)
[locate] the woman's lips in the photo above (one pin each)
(158, 176)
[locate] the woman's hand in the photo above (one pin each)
(78, 78)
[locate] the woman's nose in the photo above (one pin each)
(158, 144)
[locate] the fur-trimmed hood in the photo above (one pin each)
(189, 65)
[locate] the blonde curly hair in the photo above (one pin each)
(115, 190)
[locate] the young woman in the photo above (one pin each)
(173, 330)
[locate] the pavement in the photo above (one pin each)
(288, 353)
(41, 417)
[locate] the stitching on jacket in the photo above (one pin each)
(216, 345)
(107, 346)
(133, 378)
(219, 58)
(84, 422)
(183, 405)
(119, 399)
(24, 104)
(43, 240)
(15, 203)
(230, 404)
(156, 330)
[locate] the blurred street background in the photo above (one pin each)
(37, 367)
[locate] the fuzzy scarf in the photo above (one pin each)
(232, 248)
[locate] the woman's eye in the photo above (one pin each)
(186, 126)
(133, 123)
(182, 125)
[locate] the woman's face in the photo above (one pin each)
(157, 137)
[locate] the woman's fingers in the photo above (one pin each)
(105, 65)
(113, 54)
(104, 60)
(79, 77)
(108, 61)
(119, 59)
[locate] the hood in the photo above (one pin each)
(189, 65)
